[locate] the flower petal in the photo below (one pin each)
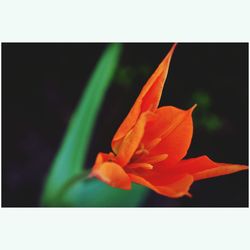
(112, 174)
(148, 99)
(176, 189)
(222, 169)
(202, 168)
(132, 140)
(102, 157)
(175, 128)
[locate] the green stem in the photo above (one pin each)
(81, 177)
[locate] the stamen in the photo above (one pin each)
(140, 165)
(141, 150)
(153, 143)
(156, 158)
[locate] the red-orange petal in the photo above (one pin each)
(148, 99)
(222, 169)
(175, 128)
(176, 189)
(202, 168)
(102, 157)
(132, 140)
(112, 174)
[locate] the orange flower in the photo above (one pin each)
(150, 144)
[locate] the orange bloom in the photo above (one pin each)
(150, 144)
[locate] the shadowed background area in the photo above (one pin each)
(42, 83)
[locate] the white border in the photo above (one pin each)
(124, 21)
(125, 228)
(127, 21)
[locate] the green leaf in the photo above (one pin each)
(94, 193)
(71, 156)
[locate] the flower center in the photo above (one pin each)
(142, 157)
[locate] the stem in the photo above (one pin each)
(83, 176)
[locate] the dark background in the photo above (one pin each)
(42, 83)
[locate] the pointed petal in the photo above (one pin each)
(148, 99)
(203, 168)
(132, 140)
(176, 189)
(175, 128)
(222, 169)
(112, 174)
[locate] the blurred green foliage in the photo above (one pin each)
(126, 75)
(205, 118)
(65, 185)
(203, 99)
(94, 193)
(211, 122)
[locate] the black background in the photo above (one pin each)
(42, 83)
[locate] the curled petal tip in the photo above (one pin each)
(192, 108)
(173, 47)
(170, 53)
